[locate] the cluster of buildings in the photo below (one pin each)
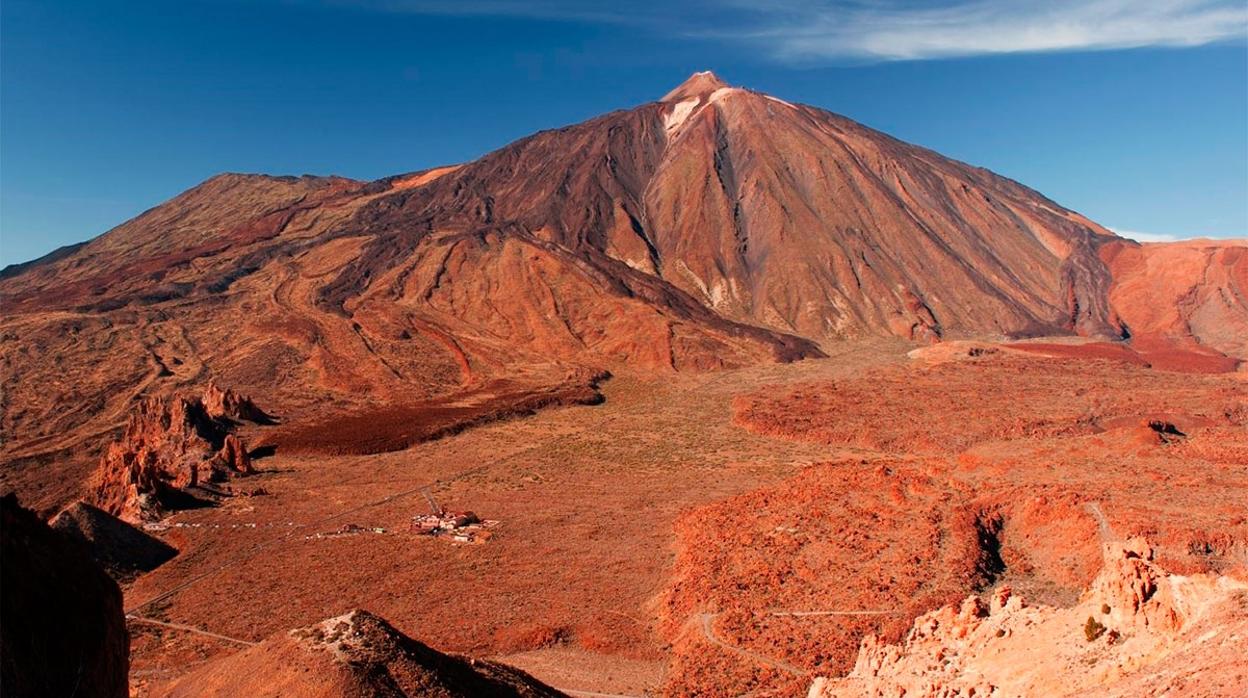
(458, 526)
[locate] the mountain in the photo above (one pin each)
(716, 227)
(1166, 292)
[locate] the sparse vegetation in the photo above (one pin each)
(1093, 629)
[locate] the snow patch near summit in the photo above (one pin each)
(679, 114)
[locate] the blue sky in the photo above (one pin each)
(1134, 113)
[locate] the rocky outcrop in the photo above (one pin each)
(123, 550)
(355, 654)
(226, 404)
(64, 631)
(1135, 620)
(171, 445)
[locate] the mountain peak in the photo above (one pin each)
(699, 84)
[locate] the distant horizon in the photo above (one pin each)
(112, 108)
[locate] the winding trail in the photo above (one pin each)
(187, 628)
(709, 632)
(1105, 531)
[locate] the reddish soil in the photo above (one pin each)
(1163, 355)
(947, 408)
(851, 536)
(1019, 492)
(595, 488)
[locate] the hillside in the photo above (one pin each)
(715, 228)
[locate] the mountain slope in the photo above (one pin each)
(776, 215)
(1182, 292)
(717, 227)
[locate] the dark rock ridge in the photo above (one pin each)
(123, 550)
(64, 631)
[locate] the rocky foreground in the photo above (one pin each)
(63, 633)
(1138, 630)
(355, 654)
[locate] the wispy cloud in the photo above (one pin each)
(891, 31)
(821, 30)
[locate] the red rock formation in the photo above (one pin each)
(64, 632)
(226, 404)
(356, 654)
(1135, 622)
(169, 446)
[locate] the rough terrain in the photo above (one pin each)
(1157, 633)
(950, 494)
(717, 227)
(355, 654)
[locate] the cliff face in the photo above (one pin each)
(64, 631)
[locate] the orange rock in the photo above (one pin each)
(171, 445)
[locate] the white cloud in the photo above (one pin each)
(816, 30)
(889, 31)
(1147, 237)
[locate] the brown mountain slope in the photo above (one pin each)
(776, 215)
(356, 654)
(717, 227)
(1182, 292)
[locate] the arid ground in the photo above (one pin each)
(671, 539)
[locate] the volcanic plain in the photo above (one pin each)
(686, 536)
